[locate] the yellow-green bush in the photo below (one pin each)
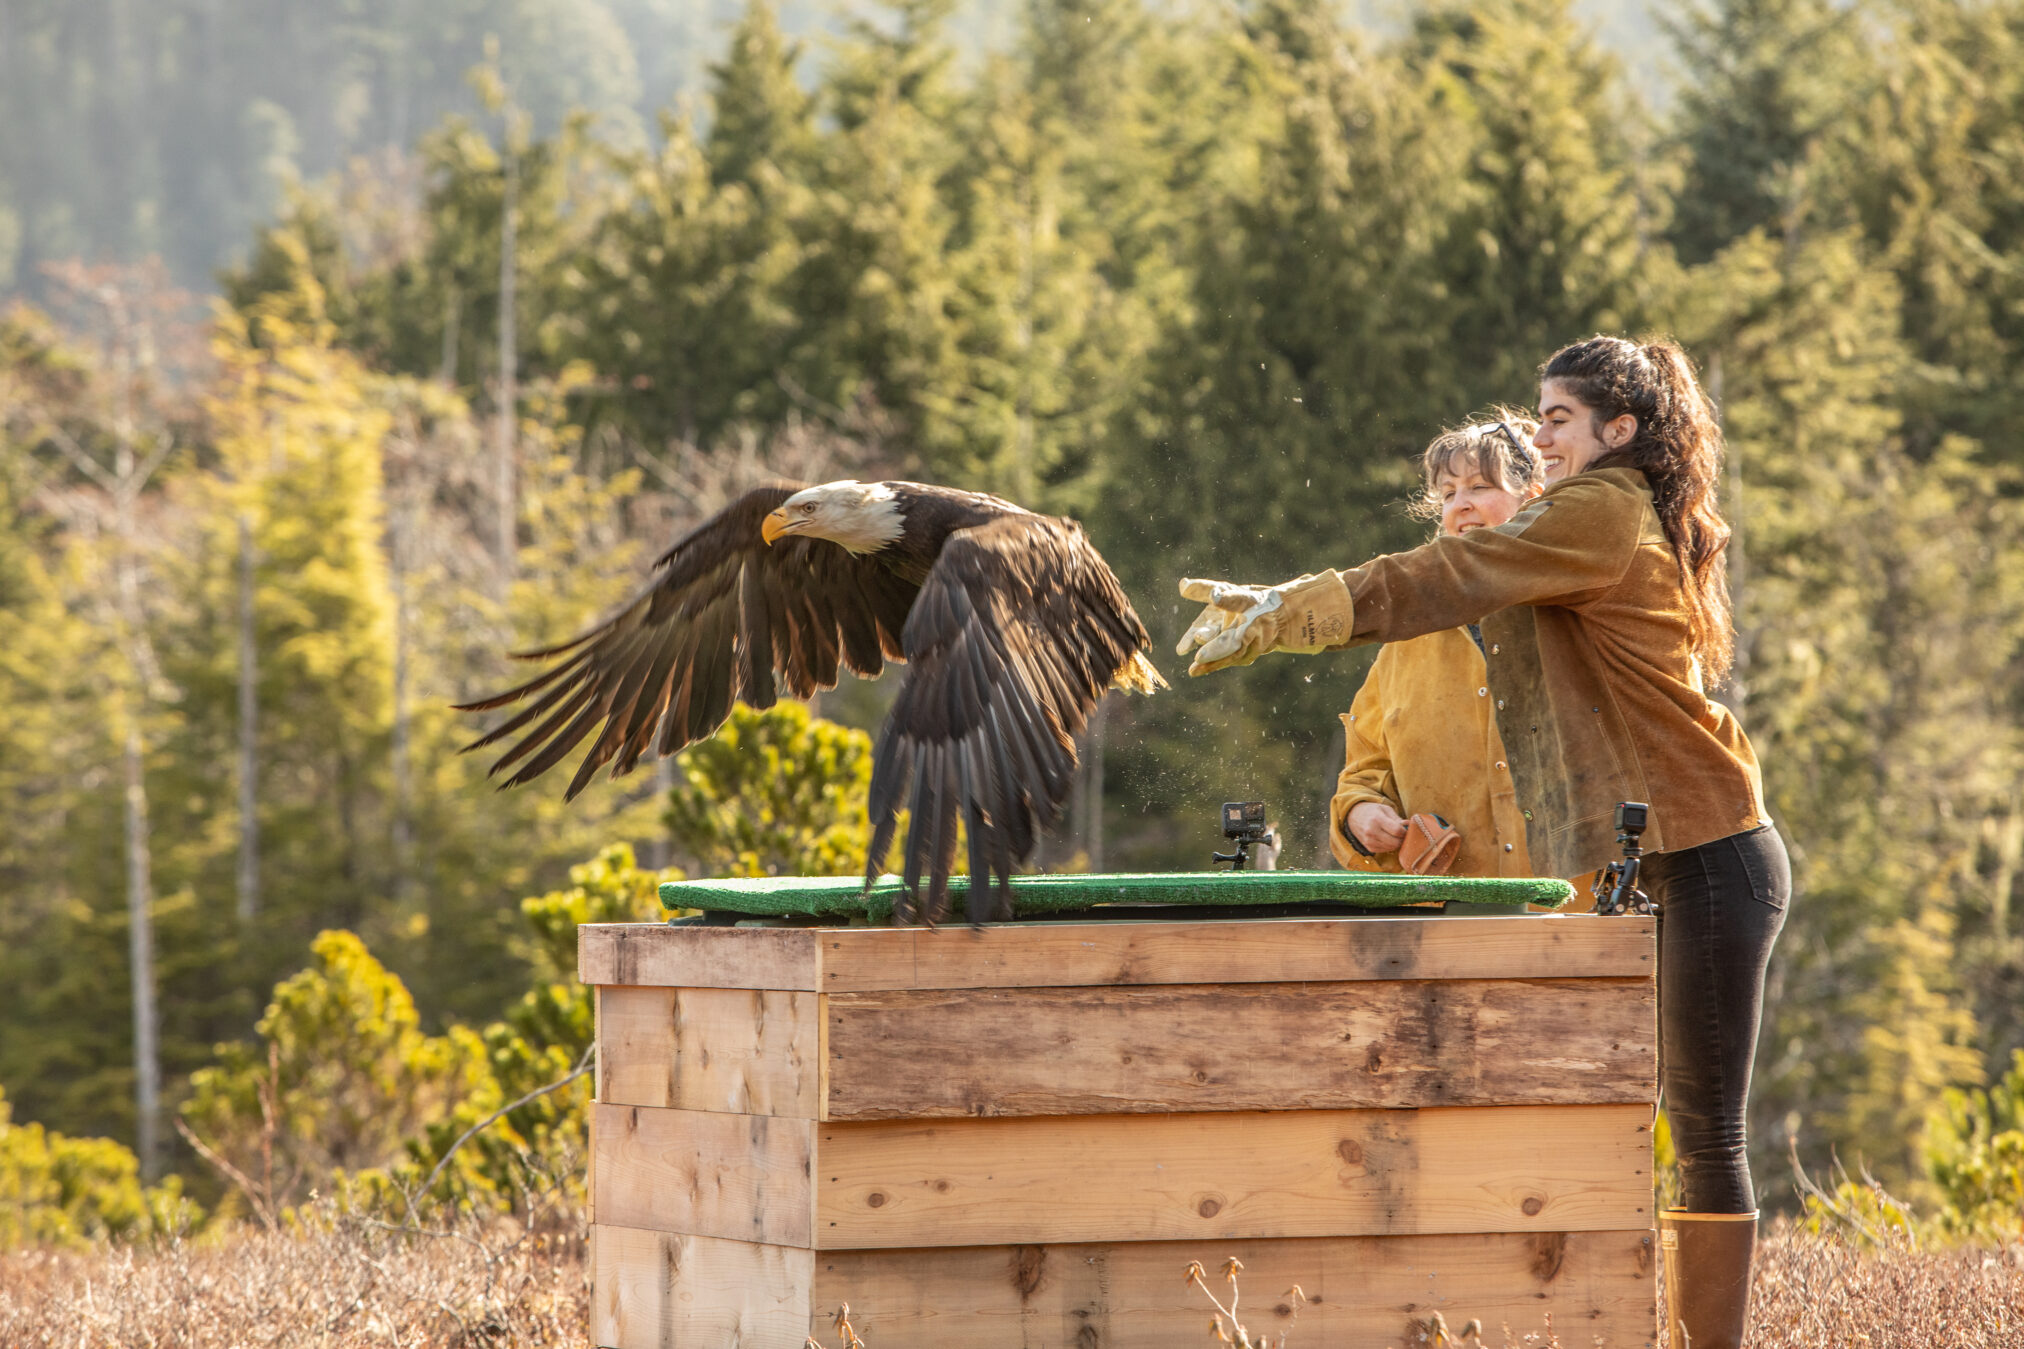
(774, 793)
(61, 1191)
(342, 1077)
(1975, 1155)
(537, 1149)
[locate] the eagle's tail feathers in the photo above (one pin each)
(1139, 675)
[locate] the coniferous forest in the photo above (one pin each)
(347, 347)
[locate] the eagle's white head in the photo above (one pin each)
(862, 516)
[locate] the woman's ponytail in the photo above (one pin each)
(1678, 446)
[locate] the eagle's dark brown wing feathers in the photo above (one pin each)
(1017, 633)
(636, 660)
(724, 616)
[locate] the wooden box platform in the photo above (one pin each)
(1020, 1136)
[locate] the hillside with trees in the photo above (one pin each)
(1204, 280)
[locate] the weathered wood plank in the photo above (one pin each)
(1364, 1291)
(1193, 1047)
(1038, 955)
(1222, 1176)
(657, 1290)
(733, 1050)
(697, 957)
(689, 1171)
(1028, 955)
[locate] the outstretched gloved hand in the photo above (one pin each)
(1242, 623)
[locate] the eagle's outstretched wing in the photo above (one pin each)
(1014, 638)
(725, 614)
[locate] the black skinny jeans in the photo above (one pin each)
(1721, 906)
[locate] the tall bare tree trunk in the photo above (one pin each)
(124, 485)
(249, 735)
(453, 318)
(2009, 856)
(1737, 560)
(660, 850)
(141, 955)
(1094, 797)
(403, 825)
(139, 852)
(509, 392)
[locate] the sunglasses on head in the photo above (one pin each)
(1519, 445)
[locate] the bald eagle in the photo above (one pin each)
(1012, 622)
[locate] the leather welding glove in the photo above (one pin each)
(1242, 623)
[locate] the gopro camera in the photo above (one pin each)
(1244, 820)
(1616, 889)
(1243, 824)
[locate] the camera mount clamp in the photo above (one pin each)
(1616, 889)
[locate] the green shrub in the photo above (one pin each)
(342, 1078)
(1975, 1156)
(61, 1191)
(774, 793)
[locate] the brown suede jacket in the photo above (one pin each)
(1584, 621)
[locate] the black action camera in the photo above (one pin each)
(1616, 889)
(1243, 824)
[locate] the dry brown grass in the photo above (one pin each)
(1814, 1293)
(352, 1283)
(344, 1283)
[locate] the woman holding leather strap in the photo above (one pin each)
(1424, 787)
(1603, 604)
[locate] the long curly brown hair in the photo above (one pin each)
(1678, 447)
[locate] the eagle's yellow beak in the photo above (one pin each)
(773, 526)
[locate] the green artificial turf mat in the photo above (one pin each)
(844, 897)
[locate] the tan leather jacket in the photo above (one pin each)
(1585, 623)
(1421, 736)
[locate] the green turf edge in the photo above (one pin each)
(845, 897)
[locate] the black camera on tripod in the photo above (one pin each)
(1244, 824)
(1616, 889)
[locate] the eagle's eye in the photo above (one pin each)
(808, 508)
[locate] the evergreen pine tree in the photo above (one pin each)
(1862, 634)
(760, 115)
(1932, 163)
(1770, 84)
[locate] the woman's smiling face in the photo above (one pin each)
(1471, 501)
(1571, 436)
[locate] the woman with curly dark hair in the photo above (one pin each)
(1604, 608)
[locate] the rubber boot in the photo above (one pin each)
(1707, 1264)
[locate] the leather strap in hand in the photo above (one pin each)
(1430, 846)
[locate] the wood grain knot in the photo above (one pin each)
(1350, 1151)
(1549, 1253)
(875, 1199)
(941, 1187)
(1029, 1264)
(1533, 1203)
(1209, 1208)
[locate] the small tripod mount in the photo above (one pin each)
(1616, 889)
(1244, 824)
